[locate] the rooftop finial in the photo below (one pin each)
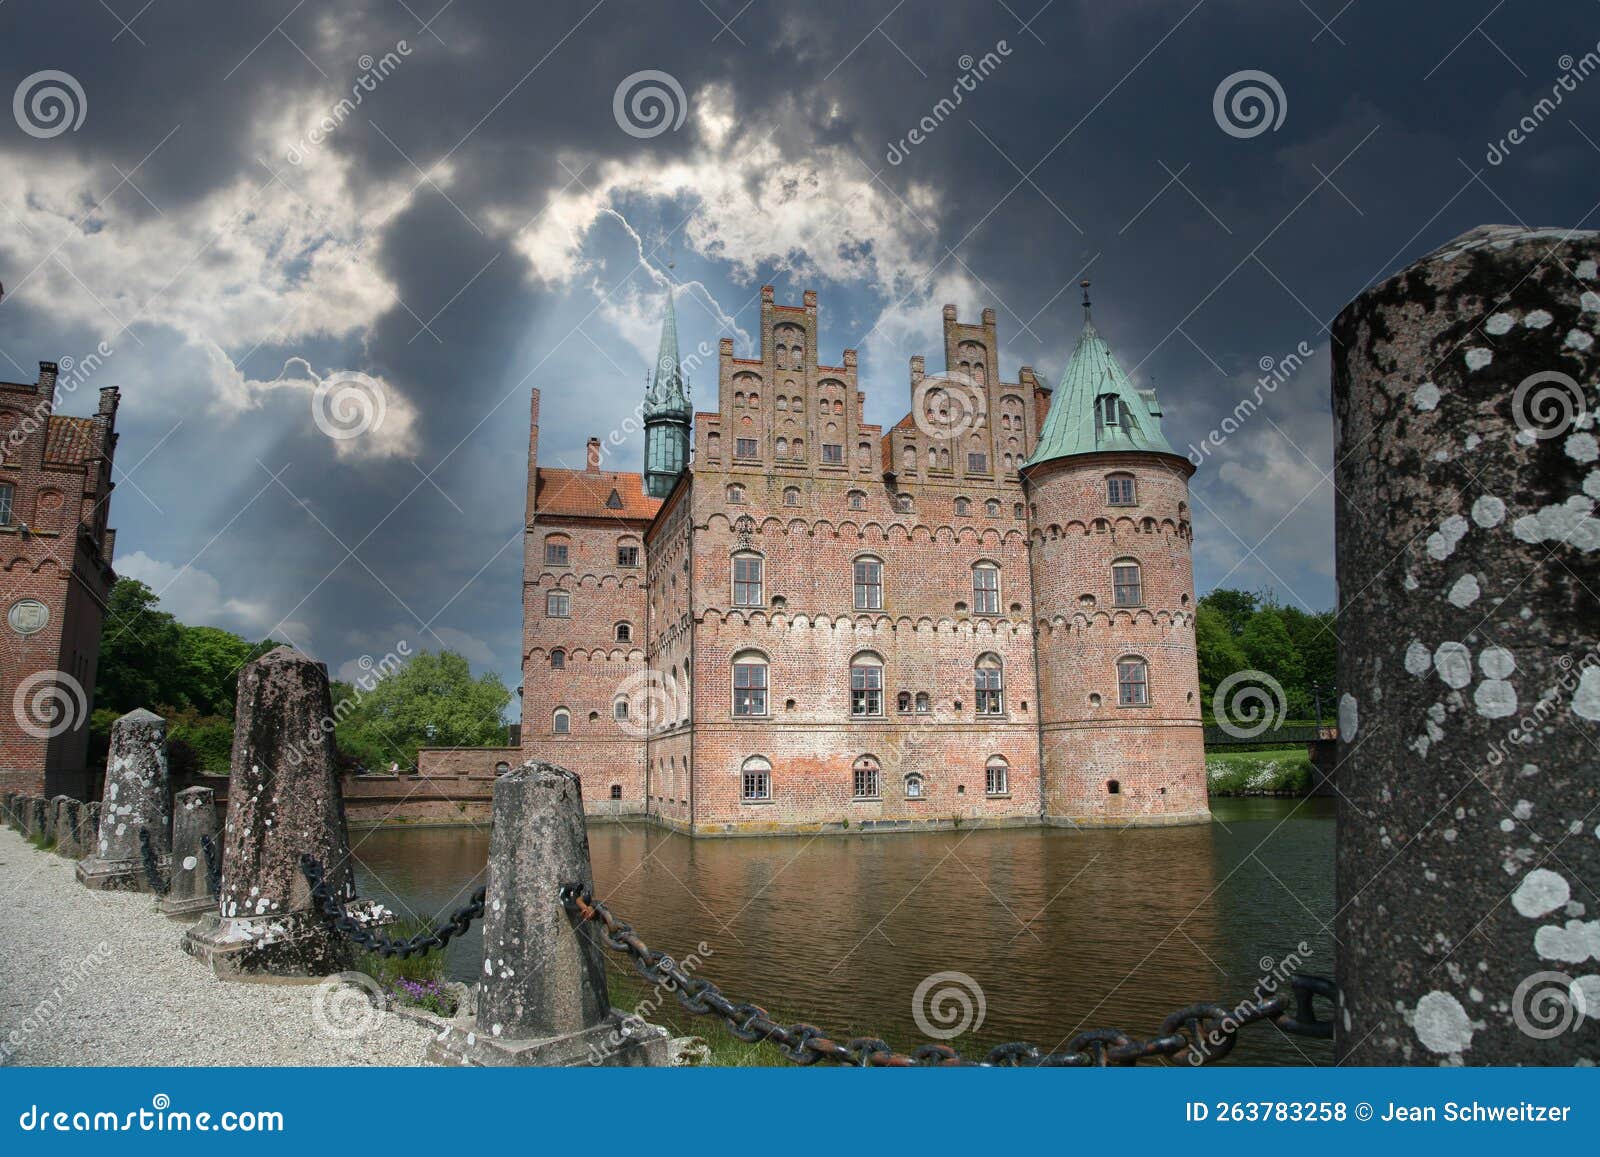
(1085, 284)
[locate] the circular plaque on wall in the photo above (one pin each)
(28, 616)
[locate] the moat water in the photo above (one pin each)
(1062, 930)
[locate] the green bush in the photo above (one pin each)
(1285, 771)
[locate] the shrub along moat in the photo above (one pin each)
(1285, 771)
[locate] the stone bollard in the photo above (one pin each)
(7, 800)
(194, 816)
(38, 816)
(543, 998)
(1469, 725)
(60, 834)
(137, 795)
(70, 839)
(283, 802)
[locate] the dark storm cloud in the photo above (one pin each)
(1093, 139)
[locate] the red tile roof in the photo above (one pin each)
(71, 441)
(581, 494)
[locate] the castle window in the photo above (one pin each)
(866, 685)
(1127, 588)
(557, 604)
(1133, 682)
(1016, 510)
(561, 722)
(914, 786)
(797, 451)
(858, 500)
(735, 493)
(997, 776)
(868, 584)
(902, 702)
(986, 589)
(992, 508)
(1110, 408)
(501, 768)
(747, 580)
(744, 447)
(791, 496)
(555, 549)
(977, 463)
(989, 681)
(832, 453)
(1120, 490)
(865, 783)
(756, 779)
(558, 660)
(616, 791)
(624, 632)
(8, 494)
(902, 503)
(614, 500)
(783, 402)
(1113, 787)
(783, 447)
(963, 507)
(923, 705)
(627, 555)
(750, 684)
(619, 711)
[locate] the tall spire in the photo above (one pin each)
(667, 390)
(666, 412)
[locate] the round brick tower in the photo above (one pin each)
(1113, 588)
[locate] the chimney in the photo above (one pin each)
(594, 456)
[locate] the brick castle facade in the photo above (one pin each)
(983, 615)
(55, 494)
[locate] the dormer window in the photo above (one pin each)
(1110, 410)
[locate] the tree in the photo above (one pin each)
(140, 656)
(1219, 652)
(433, 701)
(1235, 607)
(211, 659)
(1269, 649)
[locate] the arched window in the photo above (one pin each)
(1113, 787)
(985, 589)
(866, 685)
(963, 507)
(988, 679)
(1127, 587)
(1120, 490)
(750, 684)
(619, 709)
(627, 552)
(783, 447)
(735, 491)
(902, 503)
(865, 778)
(556, 549)
(747, 580)
(561, 722)
(858, 500)
(791, 496)
(755, 779)
(868, 584)
(1109, 409)
(1016, 510)
(923, 705)
(558, 660)
(915, 788)
(1133, 682)
(557, 604)
(797, 450)
(997, 776)
(616, 791)
(624, 632)
(992, 508)
(502, 767)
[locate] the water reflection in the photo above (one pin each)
(1062, 930)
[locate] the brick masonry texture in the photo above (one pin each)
(56, 549)
(787, 472)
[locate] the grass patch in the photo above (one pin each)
(1286, 771)
(43, 842)
(631, 994)
(415, 980)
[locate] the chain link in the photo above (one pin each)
(349, 927)
(1198, 1034)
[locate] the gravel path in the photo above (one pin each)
(98, 978)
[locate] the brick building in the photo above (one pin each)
(984, 614)
(55, 494)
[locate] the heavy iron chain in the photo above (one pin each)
(152, 870)
(343, 923)
(213, 864)
(1198, 1034)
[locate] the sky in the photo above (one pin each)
(328, 248)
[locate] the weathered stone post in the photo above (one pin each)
(137, 795)
(7, 799)
(542, 999)
(1469, 660)
(38, 816)
(283, 802)
(194, 819)
(71, 839)
(59, 832)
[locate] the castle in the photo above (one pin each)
(983, 615)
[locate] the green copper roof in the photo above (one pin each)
(1078, 419)
(668, 392)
